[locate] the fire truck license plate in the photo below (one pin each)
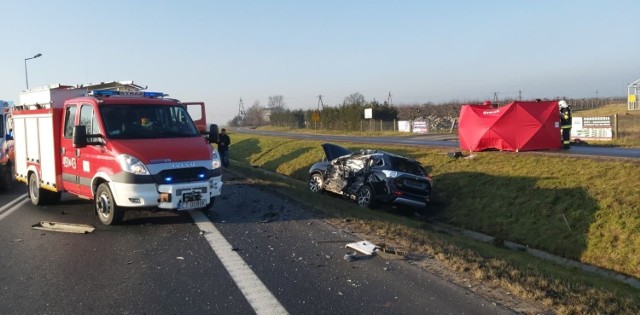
(186, 205)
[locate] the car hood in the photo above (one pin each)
(334, 151)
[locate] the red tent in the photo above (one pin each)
(518, 126)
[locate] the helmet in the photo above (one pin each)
(487, 102)
(563, 104)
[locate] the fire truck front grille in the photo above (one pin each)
(182, 175)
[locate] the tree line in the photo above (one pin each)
(350, 114)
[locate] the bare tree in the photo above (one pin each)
(276, 103)
(354, 99)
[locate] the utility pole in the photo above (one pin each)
(519, 95)
(320, 103)
(596, 93)
(389, 100)
(495, 97)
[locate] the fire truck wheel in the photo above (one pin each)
(36, 193)
(108, 212)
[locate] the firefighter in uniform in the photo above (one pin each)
(565, 123)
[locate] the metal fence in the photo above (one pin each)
(435, 125)
(627, 126)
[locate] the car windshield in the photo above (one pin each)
(407, 166)
(147, 122)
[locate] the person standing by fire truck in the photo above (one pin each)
(223, 147)
(565, 123)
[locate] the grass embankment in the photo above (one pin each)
(578, 208)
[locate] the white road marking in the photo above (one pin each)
(259, 297)
(13, 205)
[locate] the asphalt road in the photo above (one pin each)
(256, 252)
(447, 141)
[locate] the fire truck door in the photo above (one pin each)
(197, 112)
(77, 168)
(70, 174)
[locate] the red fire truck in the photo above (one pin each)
(121, 149)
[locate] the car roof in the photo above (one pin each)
(334, 151)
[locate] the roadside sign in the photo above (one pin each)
(420, 127)
(315, 117)
(368, 113)
(592, 128)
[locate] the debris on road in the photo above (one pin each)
(364, 247)
(64, 227)
(388, 252)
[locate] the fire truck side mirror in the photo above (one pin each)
(79, 136)
(213, 133)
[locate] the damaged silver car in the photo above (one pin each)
(371, 177)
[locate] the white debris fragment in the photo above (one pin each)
(180, 258)
(64, 227)
(364, 247)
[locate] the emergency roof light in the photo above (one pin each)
(98, 93)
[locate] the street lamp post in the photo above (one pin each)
(26, 75)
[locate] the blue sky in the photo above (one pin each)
(419, 51)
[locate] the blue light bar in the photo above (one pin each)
(103, 93)
(168, 179)
(201, 175)
(153, 94)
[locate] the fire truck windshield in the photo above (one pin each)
(146, 122)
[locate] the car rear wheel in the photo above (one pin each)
(315, 182)
(365, 197)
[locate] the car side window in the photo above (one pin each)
(377, 162)
(69, 121)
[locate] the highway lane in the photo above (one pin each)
(161, 262)
(446, 141)
(154, 263)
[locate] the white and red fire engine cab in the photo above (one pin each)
(127, 149)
